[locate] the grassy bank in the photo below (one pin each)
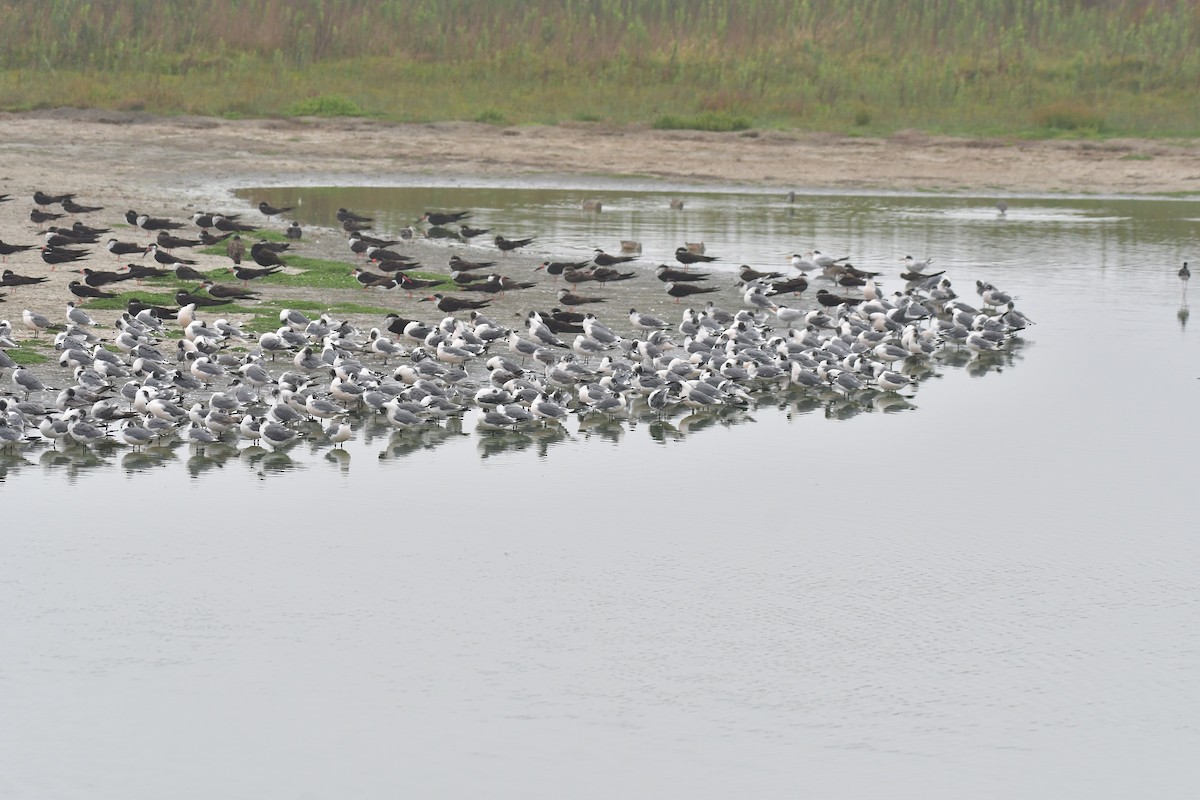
(1026, 67)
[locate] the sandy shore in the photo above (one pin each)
(171, 166)
(150, 159)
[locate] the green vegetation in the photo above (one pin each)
(24, 356)
(708, 121)
(264, 316)
(1026, 67)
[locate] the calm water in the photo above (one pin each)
(993, 594)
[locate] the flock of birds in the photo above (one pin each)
(168, 375)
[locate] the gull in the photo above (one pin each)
(338, 432)
(35, 322)
(646, 322)
(27, 382)
(77, 316)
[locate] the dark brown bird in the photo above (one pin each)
(185, 273)
(578, 275)
(462, 265)
(235, 248)
(569, 298)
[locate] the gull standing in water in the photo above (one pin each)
(1184, 275)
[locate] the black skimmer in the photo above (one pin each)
(97, 278)
(244, 274)
(556, 268)
(449, 304)
(508, 245)
(686, 257)
(294, 232)
(269, 210)
(166, 257)
(39, 217)
(184, 298)
(794, 285)
(10, 278)
(603, 275)
(119, 248)
(42, 199)
(208, 240)
(54, 255)
(149, 223)
(168, 241)
(371, 280)
(230, 225)
(7, 250)
(85, 292)
(831, 300)
(748, 274)
(56, 239)
(467, 232)
(226, 292)
(439, 219)
(603, 259)
(142, 271)
(343, 215)
(264, 256)
(578, 275)
(668, 274)
(678, 290)
(411, 284)
(462, 265)
(79, 229)
(71, 207)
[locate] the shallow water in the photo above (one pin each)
(992, 593)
